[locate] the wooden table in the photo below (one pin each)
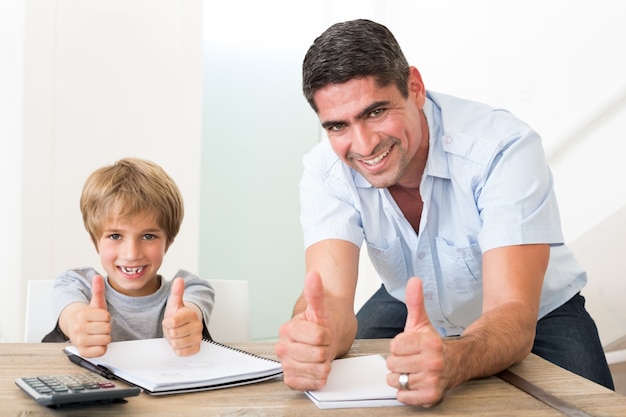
(484, 397)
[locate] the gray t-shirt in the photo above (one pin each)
(131, 317)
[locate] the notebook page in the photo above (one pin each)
(153, 365)
(356, 382)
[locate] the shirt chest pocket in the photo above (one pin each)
(390, 263)
(461, 266)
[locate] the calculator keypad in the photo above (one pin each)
(63, 384)
(73, 388)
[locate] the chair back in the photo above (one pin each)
(230, 320)
(39, 318)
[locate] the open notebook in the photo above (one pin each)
(360, 381)
(151, 364)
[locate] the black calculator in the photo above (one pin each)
(74, 389)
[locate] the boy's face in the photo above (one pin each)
(131, 252)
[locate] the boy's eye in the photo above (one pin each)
(149, 236)
(115, 236)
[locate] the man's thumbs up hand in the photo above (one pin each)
(416, 318)
(418, 354)
(314, 296)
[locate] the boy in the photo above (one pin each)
(133, 211)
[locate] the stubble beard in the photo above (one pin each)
(386, 178)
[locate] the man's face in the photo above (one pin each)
(375, 130)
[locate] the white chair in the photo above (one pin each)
(39, 318)
(230, 320)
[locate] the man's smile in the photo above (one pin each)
(376, 160)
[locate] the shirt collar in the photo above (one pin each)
(437, 162)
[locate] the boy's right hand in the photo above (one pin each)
(90, 326)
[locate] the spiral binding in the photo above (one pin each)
(215, 342)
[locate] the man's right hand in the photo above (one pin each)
(90, 326)
(305, 345)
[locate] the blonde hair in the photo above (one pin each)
(129, 187)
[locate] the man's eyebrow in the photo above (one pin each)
(331, 123)
(372, 107)
(361, 115)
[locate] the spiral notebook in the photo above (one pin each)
(152, 365)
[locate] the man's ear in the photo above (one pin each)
(417, 91)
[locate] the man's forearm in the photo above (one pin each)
(499, 339)
(345, 331)
(504, 334)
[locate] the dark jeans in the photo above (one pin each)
(567, 336)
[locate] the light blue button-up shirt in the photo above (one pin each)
(486, 184)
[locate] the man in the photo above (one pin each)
(453, 193)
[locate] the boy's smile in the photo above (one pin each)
(131, 252)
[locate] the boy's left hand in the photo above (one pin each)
(182, 325)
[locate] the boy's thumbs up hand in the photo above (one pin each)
(89, 326)
(182, 323)
(98, 299)
(175, 301)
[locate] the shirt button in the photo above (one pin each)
(421, 255)
(448, 140)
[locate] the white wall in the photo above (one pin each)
(11, 80)
(256, 128)
(600, 251)
(105, 79)
(101, 80)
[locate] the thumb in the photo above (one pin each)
(175, 300)
(314, 296)
(97, 293)
(416, 312)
